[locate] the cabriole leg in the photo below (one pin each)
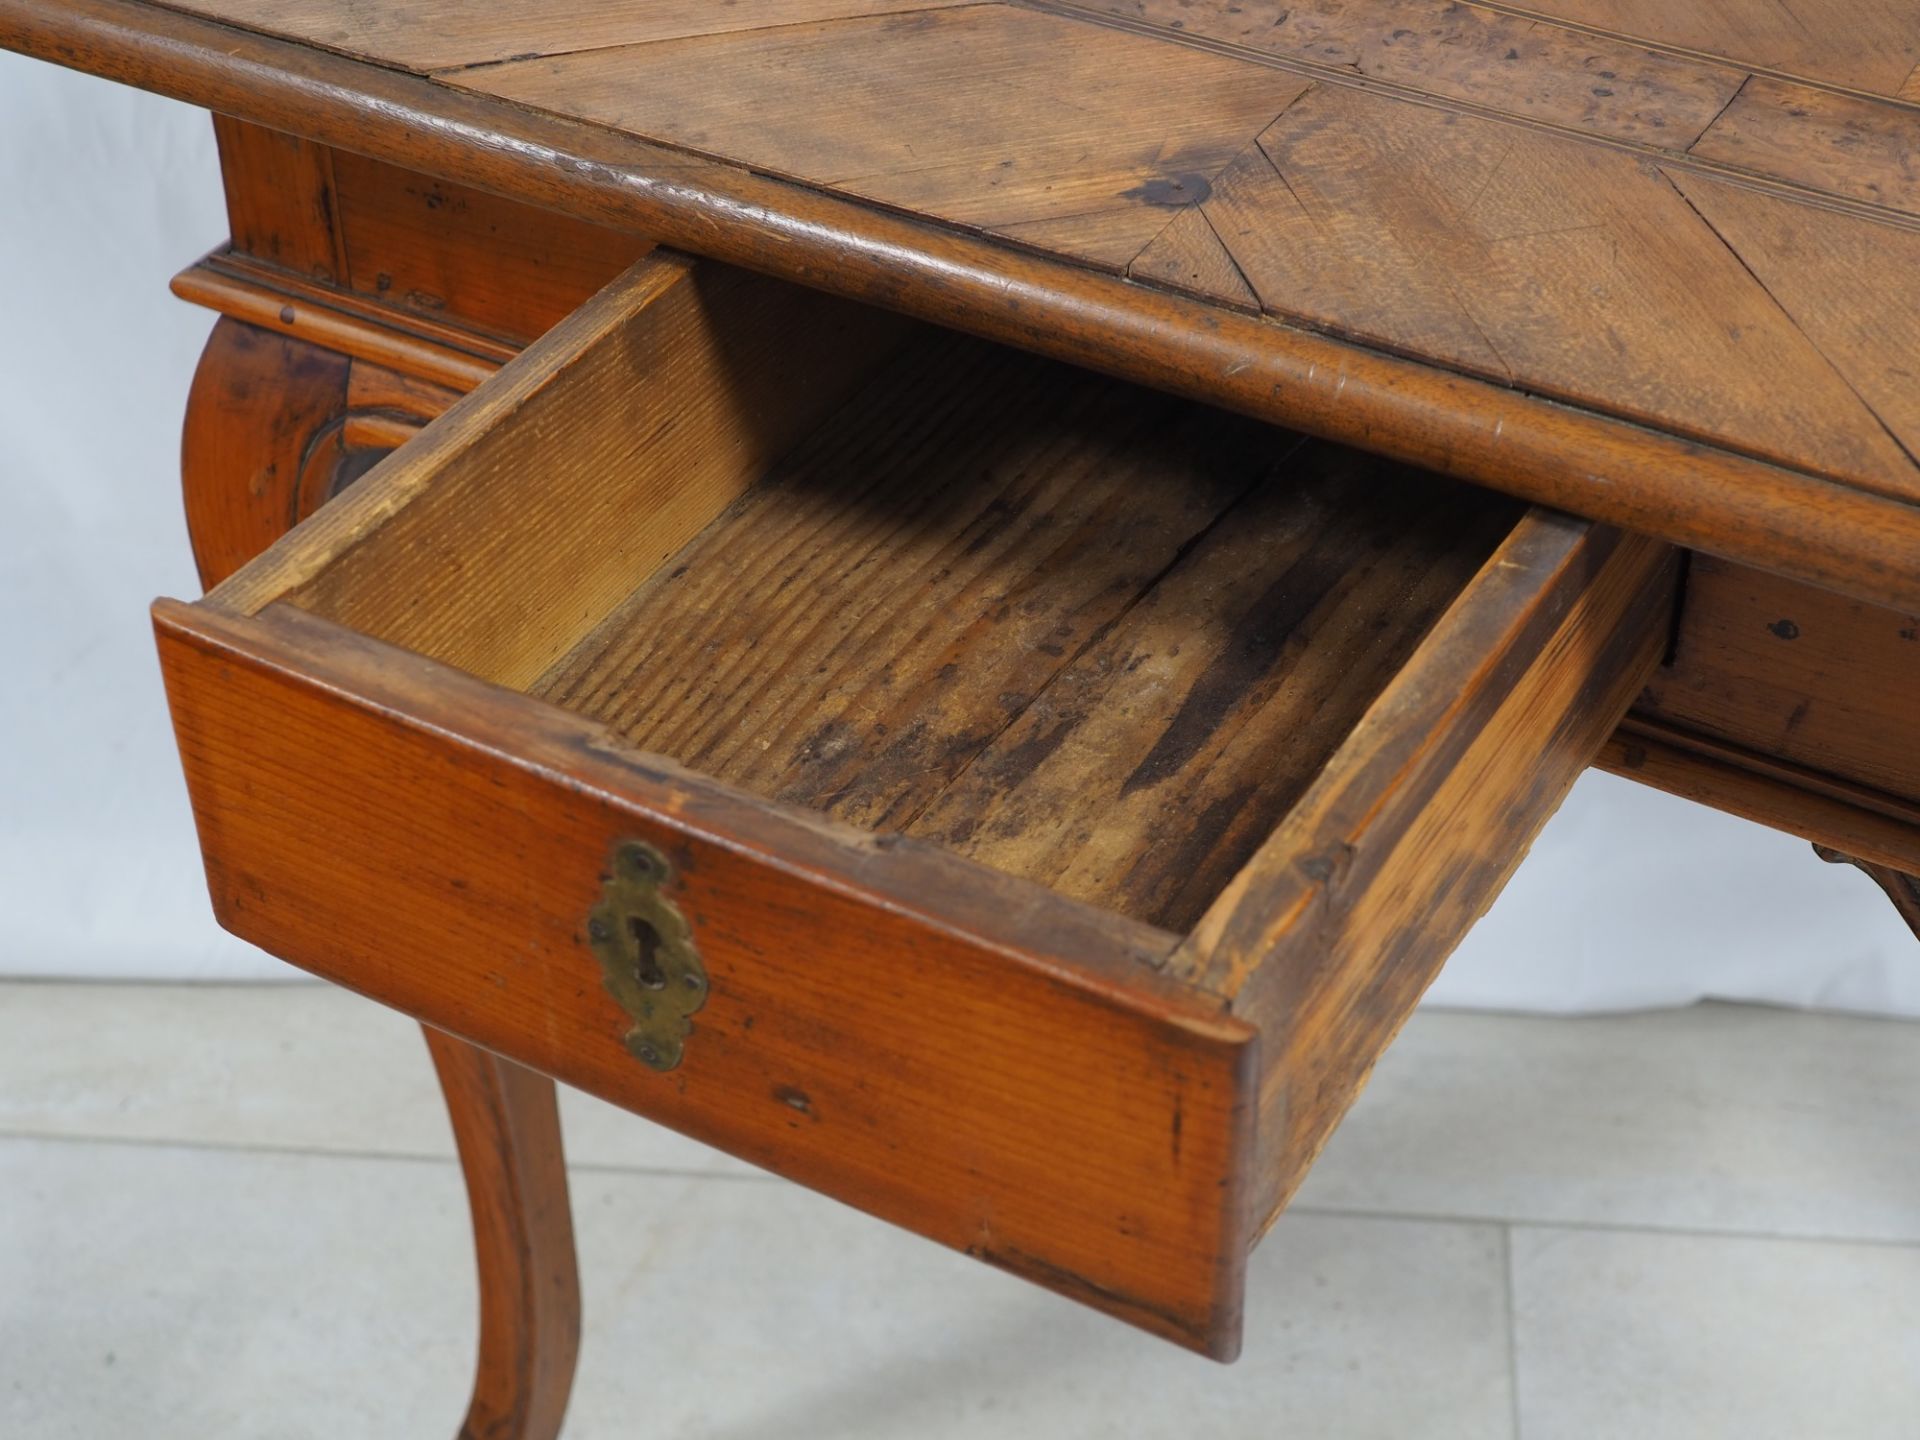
(1902, 889)
(507, 1126)
(266, 442)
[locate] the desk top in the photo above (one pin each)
(1655, 262)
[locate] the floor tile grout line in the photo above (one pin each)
(406, 1157)
(1605, 1227)
(1507, 1223)
(1513, 1331)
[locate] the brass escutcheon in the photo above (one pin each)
(646, 954)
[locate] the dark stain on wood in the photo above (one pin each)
(1052, 623)
(1259, 639)
(1172, 191)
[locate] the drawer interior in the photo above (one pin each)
(1086, 634)
(1161, 756)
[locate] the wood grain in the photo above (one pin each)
(337, 320)
(1796, 673)
(1084, 634)
(426, 37)
(271, 430)
(1188, 255)
(1828, 531)
(1847, 282)
(261, 440)
(993, 118)
(1371, 272)
(1091, 1117)
(1095, 1086)
(1330, 934)
(1097, 637)
(1455, 49)
(1757, 787)
(468, 270)
(633, 423)
(1862, 149)
(1622, 86)
(854, 631)
(377, 388)
(506, 1127)
(386, 408)
(280, 199)
(1866, 44)
(1562, 267)
(1493, 58)
(1149, 772)
(459, 254)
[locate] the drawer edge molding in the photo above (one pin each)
(960, 1052)
(341, 322)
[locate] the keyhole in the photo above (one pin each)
(647, 968)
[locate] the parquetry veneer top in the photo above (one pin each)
(1656, 262)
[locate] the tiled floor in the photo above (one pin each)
(233, 1212)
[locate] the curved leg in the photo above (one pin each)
(507, 1126)
(270, 434)
(261, 444)
(1902, 889)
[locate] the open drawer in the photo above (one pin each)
(1019, 805)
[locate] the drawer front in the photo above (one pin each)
(1790, 706)
(1800, 675)
(936, 1044)
(962, 1018)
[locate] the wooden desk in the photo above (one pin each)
(1206, 742)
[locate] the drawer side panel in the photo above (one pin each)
(1329, 938)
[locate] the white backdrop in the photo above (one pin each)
(1630, 898)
